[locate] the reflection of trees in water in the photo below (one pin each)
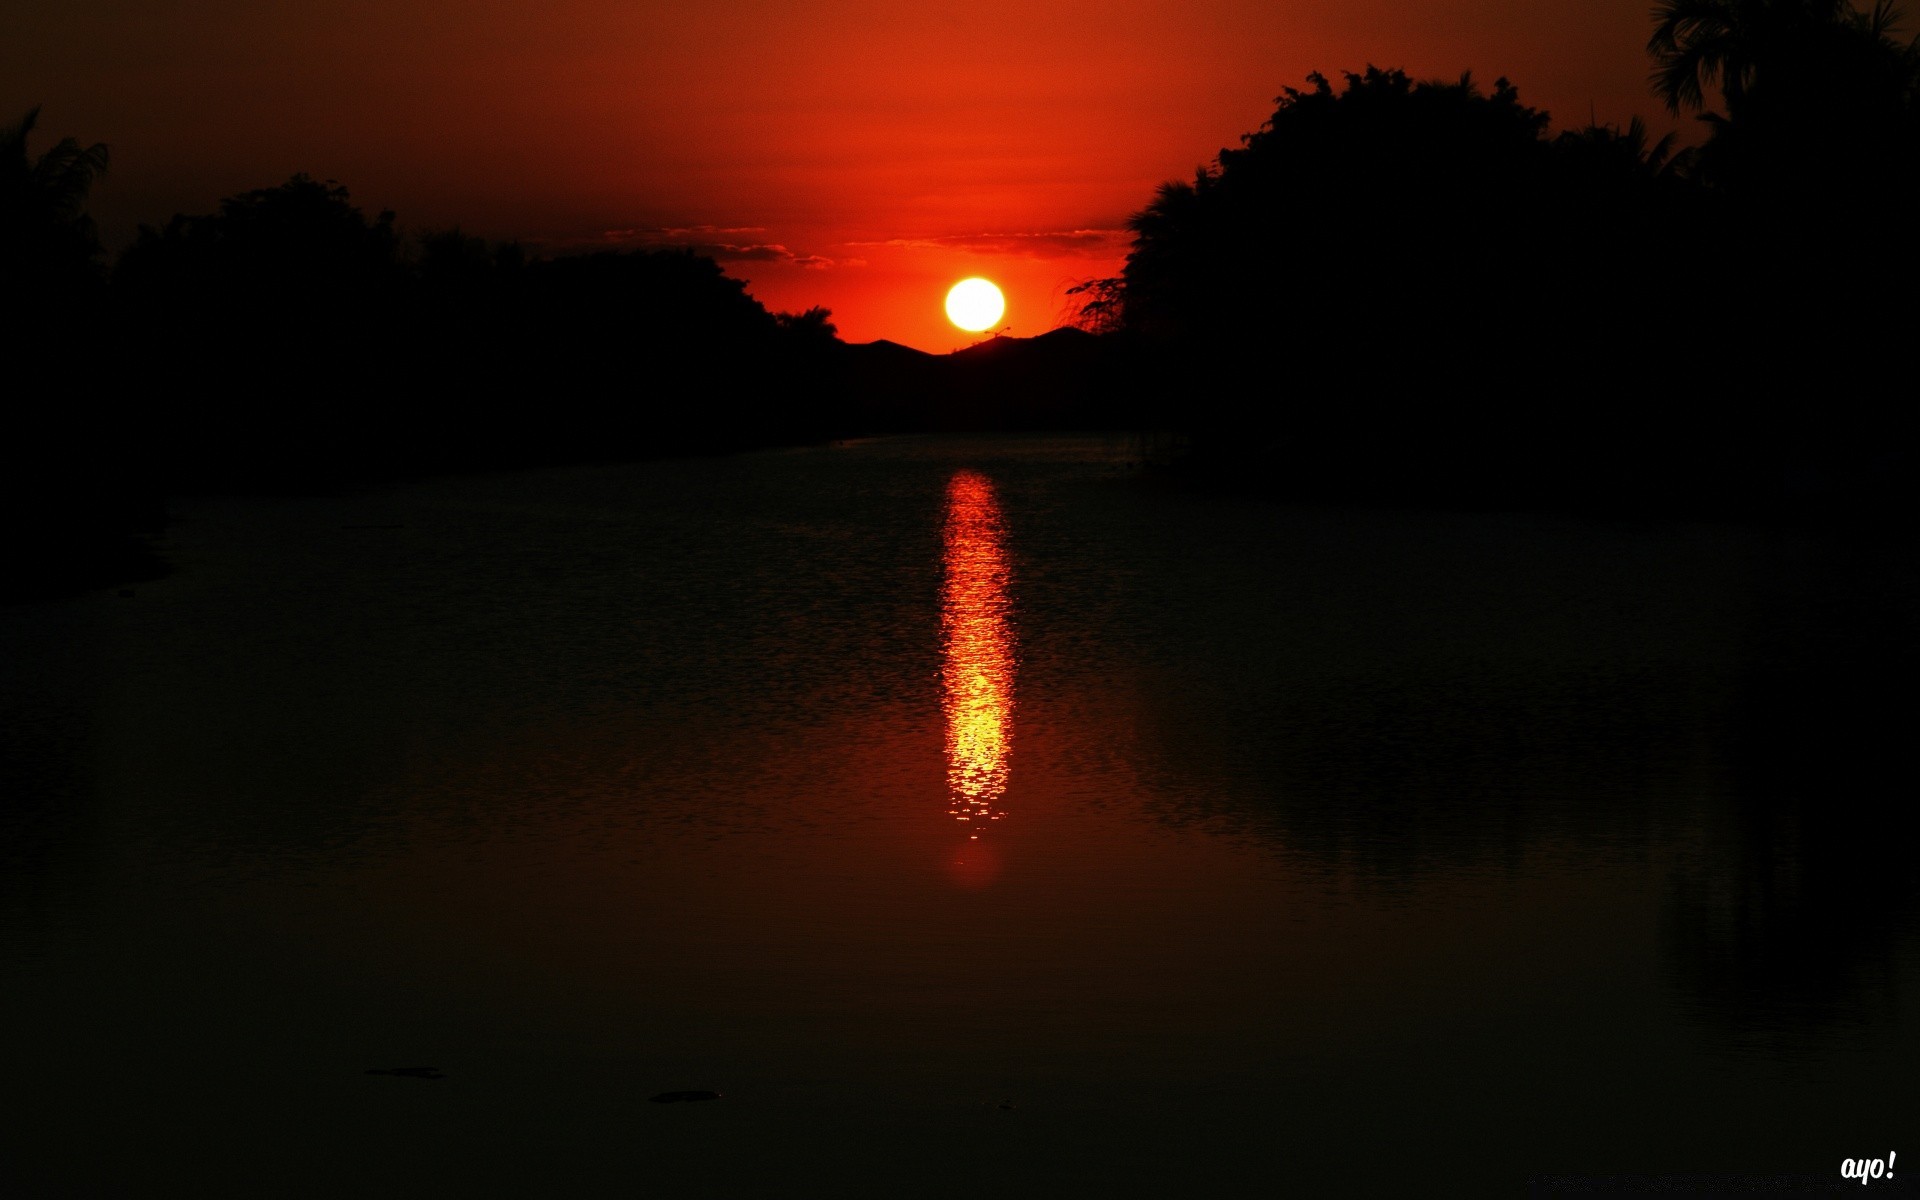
(1408, 693)
(1793, 907)
(1745, 724)
(1393, 778)
(47, 823)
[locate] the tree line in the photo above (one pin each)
(289, 341)
(290, 333)
(1408, 290)
(1395, 290)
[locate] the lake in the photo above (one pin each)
(977, 816)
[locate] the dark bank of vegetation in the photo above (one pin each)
(342, 352)
(289, 341)
(1395, 290)
(1408, 291)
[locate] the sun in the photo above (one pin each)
(975, 304)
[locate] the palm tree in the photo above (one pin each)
(45, 233)
(1741, 45)
(1697, 44)
(1626, 154)
(1820, 98)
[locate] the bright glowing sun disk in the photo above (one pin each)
(975, 304)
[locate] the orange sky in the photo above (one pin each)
(849, 153)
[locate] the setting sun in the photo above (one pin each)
(975, 305)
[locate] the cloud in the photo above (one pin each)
(770, 252)
(708, 230)
(1064, 243)
(719, 243)
(727, 252)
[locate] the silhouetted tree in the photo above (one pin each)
(299, 245)
(1406, 290)
(298, 332)
(1381, 233)
(1099, 305)
(271, 325)
(74, 493)
(1820, 97)
(452, 268)
(1750, 47)
(1618, 198)
(1607, 152)
(1820, 138)
(812, 326)
(47, 241)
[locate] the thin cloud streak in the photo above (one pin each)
(1067, 243)
(700, 239)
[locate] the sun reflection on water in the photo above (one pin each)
(976, 653)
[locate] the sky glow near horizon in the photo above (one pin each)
(851, 154)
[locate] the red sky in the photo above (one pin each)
(856, 154)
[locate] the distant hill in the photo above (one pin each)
(1063, 378)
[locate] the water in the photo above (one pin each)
(973, 815)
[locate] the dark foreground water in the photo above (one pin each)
(978, 818)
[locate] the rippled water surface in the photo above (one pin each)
(972, 815)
